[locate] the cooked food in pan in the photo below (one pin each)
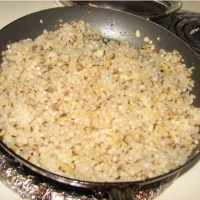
(77, 105)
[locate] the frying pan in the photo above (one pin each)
(113, 25)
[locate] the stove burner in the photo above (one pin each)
(186, 26)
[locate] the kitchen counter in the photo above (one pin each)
(186, 187)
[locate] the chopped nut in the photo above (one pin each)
(137, 33)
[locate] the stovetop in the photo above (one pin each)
(185, 25)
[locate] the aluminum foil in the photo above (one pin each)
(32, 186)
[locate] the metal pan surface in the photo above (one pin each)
(153, 10)
(125, 27)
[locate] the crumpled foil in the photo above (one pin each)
(31, 186)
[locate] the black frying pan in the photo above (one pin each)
(125, 26)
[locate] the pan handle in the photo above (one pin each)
(121, 194)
